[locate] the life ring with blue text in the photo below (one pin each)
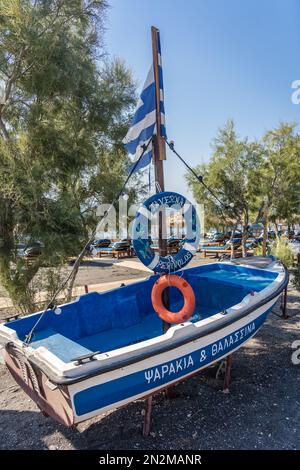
(140, 232)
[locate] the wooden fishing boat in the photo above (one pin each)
(105, 350)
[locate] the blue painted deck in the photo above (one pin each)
(103, 341)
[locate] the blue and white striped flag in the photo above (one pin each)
(143, 124)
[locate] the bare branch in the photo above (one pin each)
(12, 78)
(4, 130)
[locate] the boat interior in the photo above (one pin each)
(123, 316)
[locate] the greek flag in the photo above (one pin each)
(143, 124)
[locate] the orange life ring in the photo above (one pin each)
(188, 294)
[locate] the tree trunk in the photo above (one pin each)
(245, 233)
(276, 230)
(232, 252)
(244, 238)
(265, 236)
(4, 130)
(232, 255)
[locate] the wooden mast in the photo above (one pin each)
(159, 155)
(159, 145)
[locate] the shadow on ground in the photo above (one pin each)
(93, 263)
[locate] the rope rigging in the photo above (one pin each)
(200, 178)
(227, 207)
(51, 305)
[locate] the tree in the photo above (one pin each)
(63, 112)
(280, 175)
(215, 215)
(261, 179)
(232, 173)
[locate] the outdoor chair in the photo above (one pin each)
(173, 245)
(217, 251)
(104, 243)
(117, 250)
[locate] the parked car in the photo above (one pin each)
(289, 234)
(31, 250)
(128, 240)
(235, 235)
(101, 243)
(218, 237)
(210, 234)
(297, 236)
(20, 249)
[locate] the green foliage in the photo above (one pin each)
(260, 179)
(281, 250)
(64, 109)
(232, 173)
(280, 173)
(296, 277)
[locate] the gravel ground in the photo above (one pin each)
(262, 410)
(89, 272)
(94, 271)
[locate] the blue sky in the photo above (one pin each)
(221, 59)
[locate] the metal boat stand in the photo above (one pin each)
(147, 416)
(227, 375)
(169, 393)
(224, 368)
(284, 304)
